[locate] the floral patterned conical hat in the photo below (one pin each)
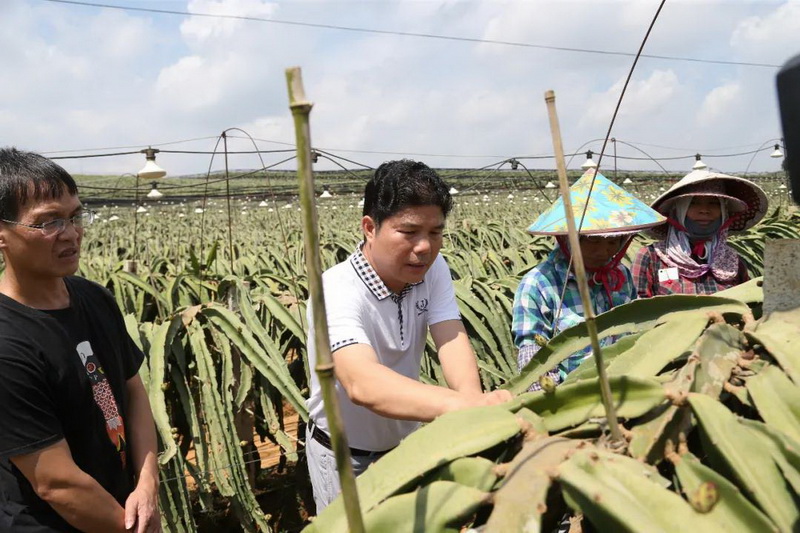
(611, 210)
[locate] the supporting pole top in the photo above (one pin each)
(297, 94)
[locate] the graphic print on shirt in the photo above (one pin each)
(104, 398)
(422, 306)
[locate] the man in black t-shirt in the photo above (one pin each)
(77, 439)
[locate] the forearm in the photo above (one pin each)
(455, 353)
(85, 504)
(392, 395)
(461, 371)
(142, 438)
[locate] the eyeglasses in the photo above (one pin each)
(57, 226)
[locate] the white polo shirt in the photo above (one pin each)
(362, 310)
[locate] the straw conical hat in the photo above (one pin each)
(746, 200)
(610, 210)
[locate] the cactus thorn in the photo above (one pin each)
(731, 388)
(677, 399)
(683, 446)
(734, 382)
(670, 453)
(575, 525)
(501, 470)
(524, 425)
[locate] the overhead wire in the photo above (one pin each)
(251, 18)
(330, 153)
(605, 141)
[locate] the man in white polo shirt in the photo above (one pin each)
(381, 302)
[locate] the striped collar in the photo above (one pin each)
(371, 279)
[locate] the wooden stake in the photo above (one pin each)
(580, 271)
(301, 109)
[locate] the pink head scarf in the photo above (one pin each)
(676, 250)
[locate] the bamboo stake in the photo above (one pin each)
(580, 271)
(301, 108)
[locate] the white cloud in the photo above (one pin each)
(200, 30)
(83, 77)
(720, 102)
(773, 37)
(643, 99)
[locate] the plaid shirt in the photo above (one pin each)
(537, 302)
(645, 274)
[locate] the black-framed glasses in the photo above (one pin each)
(57, 226)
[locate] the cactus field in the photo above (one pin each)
(707, 390)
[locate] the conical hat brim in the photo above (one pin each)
(609, 210)
(748, 199)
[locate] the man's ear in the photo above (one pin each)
(368, 227)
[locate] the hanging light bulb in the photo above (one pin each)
(698, 164)
(627, 181)
(514, 164)
(361, 203)
(263, 203)
(549, 185)
(589, 163)
(453, 190)
(777, 153)
(325, 193)
(314, 156)
(151, 171)
(141, 209)
(154, 192)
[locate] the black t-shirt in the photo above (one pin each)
(63, 376)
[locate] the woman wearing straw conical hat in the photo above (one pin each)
(547, 300)
(692, 255)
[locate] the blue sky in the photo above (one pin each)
(81, 78)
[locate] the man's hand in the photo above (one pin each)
(496, 397)
(141, 507)
(467, 400)
(141, 511)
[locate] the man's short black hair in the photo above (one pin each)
(397, 185)
(28, 176)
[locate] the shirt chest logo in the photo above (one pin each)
(422, 306)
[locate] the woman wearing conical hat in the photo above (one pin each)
(547, 300)
(692, 255)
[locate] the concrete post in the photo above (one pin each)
(782, 275)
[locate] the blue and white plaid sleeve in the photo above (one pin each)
(630, 285)
(530, 310)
